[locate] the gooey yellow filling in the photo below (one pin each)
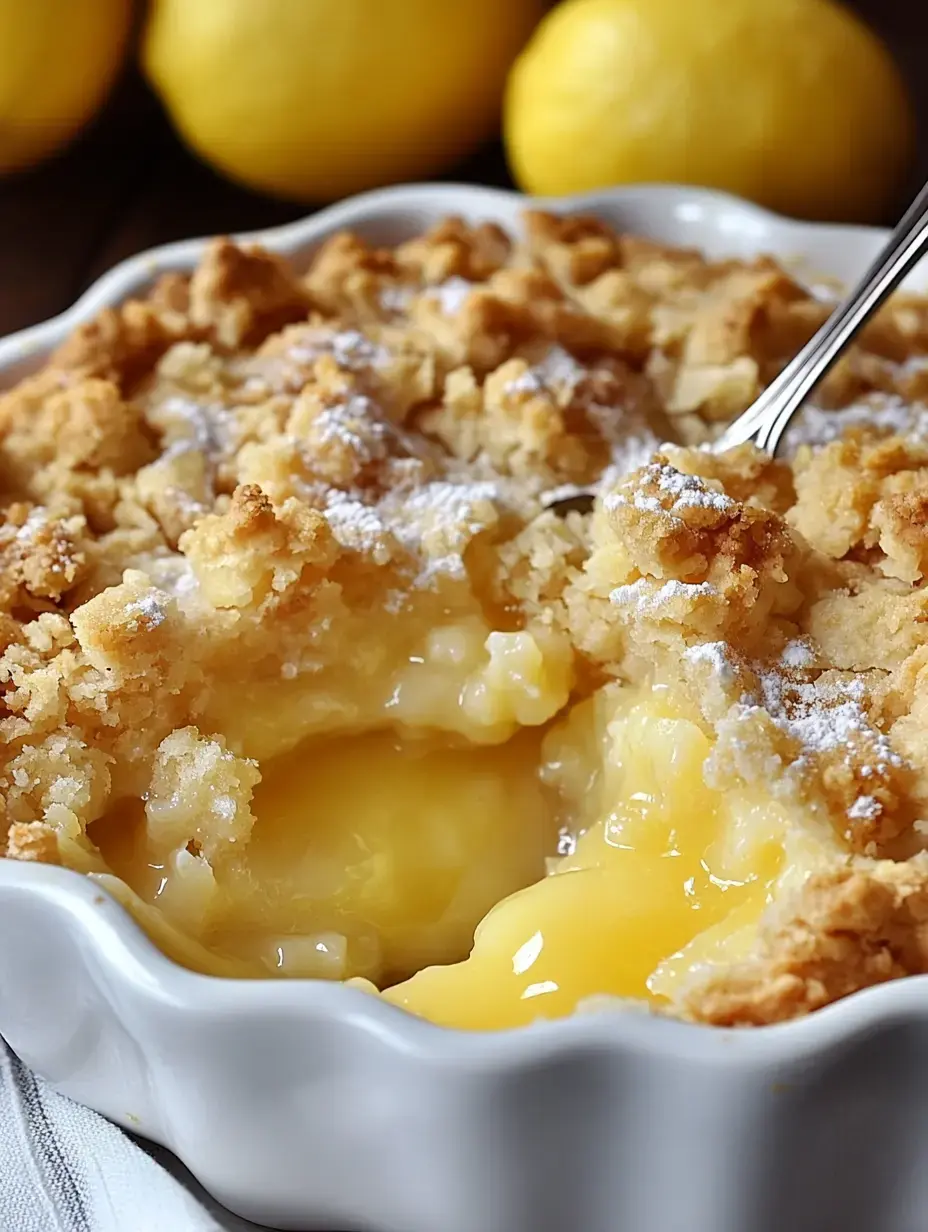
(370, 856)
(376, 857)
(666, 872)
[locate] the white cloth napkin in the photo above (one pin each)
(66, 1169)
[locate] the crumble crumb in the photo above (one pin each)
(847, 930)
(33, 841)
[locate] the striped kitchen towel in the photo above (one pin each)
(66, 1169)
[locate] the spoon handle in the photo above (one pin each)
(765, 421)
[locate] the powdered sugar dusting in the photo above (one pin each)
(628, 453)
(355, 425)
(172, 574)
(639, 500)
(149, 611)
(647, 600)
(438, 520)
(912, 365)
(689, 491)
(349, 348)
(452, 507)
(66, 789)
(865, 808)
(563, 492)
(797, 654)
(716, 656)
(356, 525)
(558, 371)
(633, 452)
(680, 491)
(433, 523)
(815, 426)
(824, 714)
(452, 294)
(208, 426)
(395, 299)
(36, 519)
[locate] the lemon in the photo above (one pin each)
(57, 61)
(792, 103)
(313, 99)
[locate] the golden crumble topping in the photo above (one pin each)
(848, 930)
(276, 541)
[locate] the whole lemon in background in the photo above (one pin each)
(58, 59)
(314, 99)
(792, 103)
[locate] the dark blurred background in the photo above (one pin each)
(128, 184)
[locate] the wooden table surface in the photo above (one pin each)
(128, 184)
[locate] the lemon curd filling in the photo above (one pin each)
(370, 855)
(662, 866)
(376, 856)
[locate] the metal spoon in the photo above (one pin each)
(765, 421)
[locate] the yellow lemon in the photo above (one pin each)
(57, 61)
(792, 103)
(313, 99)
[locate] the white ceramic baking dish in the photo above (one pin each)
(306, 1105)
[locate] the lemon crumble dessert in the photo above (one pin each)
(389, 620)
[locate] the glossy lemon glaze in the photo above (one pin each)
(663, 862)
